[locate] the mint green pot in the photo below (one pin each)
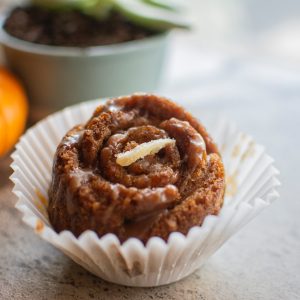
(56, 77)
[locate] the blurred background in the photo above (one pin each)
(269, 28)
(232, 44)
(237, 43)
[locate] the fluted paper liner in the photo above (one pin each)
(251, 186)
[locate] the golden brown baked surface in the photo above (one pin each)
(171, 190)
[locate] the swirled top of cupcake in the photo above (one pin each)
(140, 167)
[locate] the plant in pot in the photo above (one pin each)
(66, 51)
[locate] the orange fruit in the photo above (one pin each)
(13, 110)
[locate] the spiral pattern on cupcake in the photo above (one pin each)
(170, 189)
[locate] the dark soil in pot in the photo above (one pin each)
(70, 28)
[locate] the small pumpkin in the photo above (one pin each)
(13, 110)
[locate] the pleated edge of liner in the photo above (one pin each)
(49, 234)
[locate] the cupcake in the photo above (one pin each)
(135, 194)
(140, 167)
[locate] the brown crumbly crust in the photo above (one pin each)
(172, 190)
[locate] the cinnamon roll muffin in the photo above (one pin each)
(140, 167)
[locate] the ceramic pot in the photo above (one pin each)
(56, 76)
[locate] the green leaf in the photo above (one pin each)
(96, 8)
(57, 4)
(167, 4)
(99, 9)
(150, 16)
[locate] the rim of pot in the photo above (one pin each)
(13, 42)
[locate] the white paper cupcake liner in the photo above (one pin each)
(251, 186)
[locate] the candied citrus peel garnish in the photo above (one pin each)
(127, 158)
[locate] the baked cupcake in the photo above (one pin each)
(140, 167)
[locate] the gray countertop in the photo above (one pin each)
(261, 262)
